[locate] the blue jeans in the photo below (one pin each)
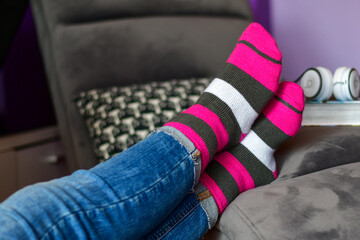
(125, 197)
(188, 221)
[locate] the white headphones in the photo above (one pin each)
(319, 84)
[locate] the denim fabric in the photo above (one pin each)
(188, 221)
(188, 145)
(123, 198)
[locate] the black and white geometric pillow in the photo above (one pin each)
(119, 117)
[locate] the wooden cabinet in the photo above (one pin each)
(8, 181)
(30, 157)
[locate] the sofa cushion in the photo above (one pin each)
(317, 148)
(311, 166)
(119, 117)
(320, 205)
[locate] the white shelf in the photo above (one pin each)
(333, 113)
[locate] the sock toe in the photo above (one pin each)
(262, 40)
(257, 54)
(293, 94)
(289, 104)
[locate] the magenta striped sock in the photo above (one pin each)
(231, 103)
(251, 162)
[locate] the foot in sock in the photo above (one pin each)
(251, 162)
(231, 103)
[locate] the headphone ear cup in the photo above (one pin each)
(338, 83)
(354, 84)
(346, 84)
(327, 84)
(317, 83)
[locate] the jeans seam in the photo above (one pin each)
(188, 209)
(11, 212)
(195, 155)
(207, 216)
(114, 203)
(180, 220)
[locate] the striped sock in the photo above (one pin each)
(231, 103)
(251, 163)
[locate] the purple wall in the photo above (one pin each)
(316, 33)
(261, 12)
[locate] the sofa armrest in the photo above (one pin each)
(320, 205)
(317, 148)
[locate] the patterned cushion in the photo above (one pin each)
(119, 117)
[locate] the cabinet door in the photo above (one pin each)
(40, 163)
(8, 181)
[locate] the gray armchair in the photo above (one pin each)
(101, 43)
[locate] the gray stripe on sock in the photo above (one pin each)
(224, 180)
(255, 49)
(254, 92)
(287, 104)
(260, 174)
(217, 106)
(201, 128)
(269, 132)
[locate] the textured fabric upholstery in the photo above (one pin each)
(316, 196)
(318, 148)
(102, 43)
(321, 205)
(81, 11)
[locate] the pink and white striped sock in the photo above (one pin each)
(233, 100)
(251, 162)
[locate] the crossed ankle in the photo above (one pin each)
(251, 162)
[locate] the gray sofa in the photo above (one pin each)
(316, 195)
(102, 43)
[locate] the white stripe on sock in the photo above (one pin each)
(243, 112)
(260, 149)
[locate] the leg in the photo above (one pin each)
(248, 165)
(188, 221)
(226, 110)
(124, 197)
(131, 193)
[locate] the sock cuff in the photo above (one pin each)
(208, 203)
(215, 190)
(195, 139)
(214, 122)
